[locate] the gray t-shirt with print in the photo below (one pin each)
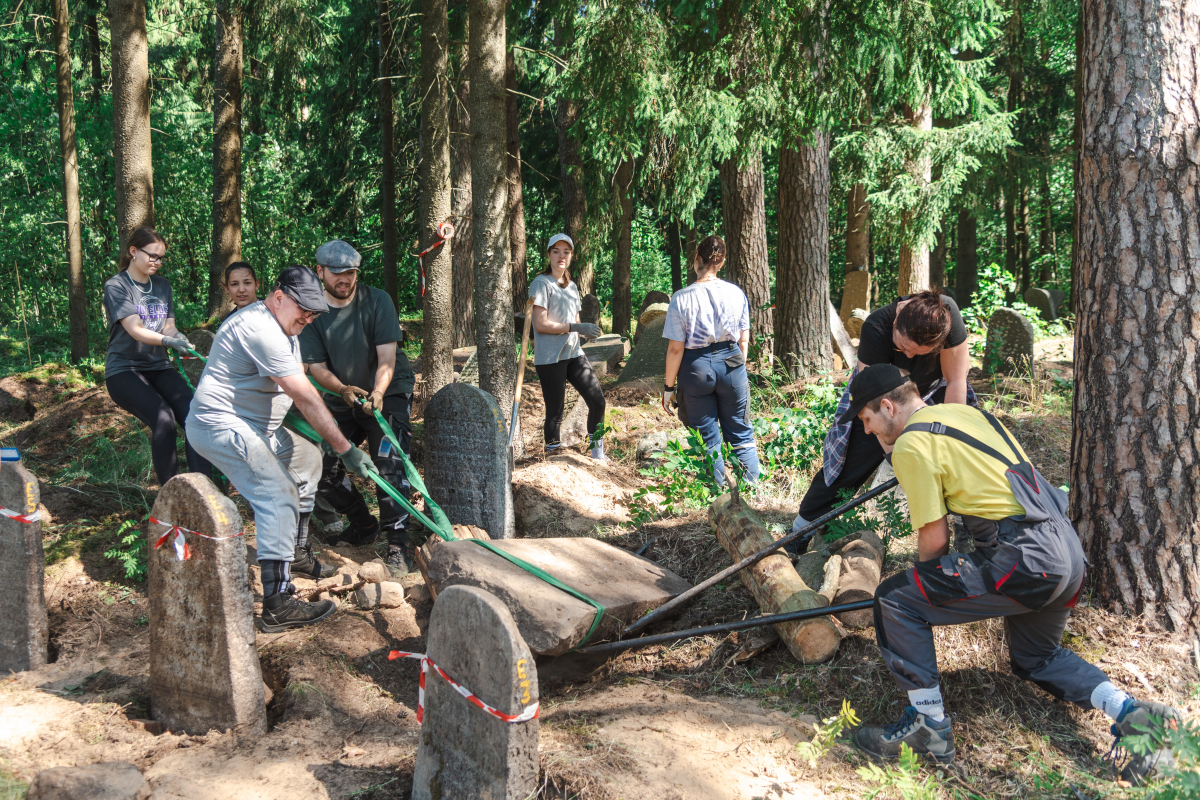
(152, 304)
(562, 305)
(250, 349)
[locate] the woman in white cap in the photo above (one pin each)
(557, 351)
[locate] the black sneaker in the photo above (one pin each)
(399, 560)
(1139, 718)
(282, 612)
(306, 564)
(356, 535)
(924, 736)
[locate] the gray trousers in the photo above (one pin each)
(277, 475)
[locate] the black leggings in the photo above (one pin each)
(160, 399)
(554, 379)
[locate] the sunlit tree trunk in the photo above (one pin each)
(516, 194)
(437, 336)
(131, 116)
(387, 158)
(227, 156)
(914, 258)
(462, 248)
(858, 229)
(673, 250)
(571, 169)
(76, 291)
(622, 264)
(744, 214)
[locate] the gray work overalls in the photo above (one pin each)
(1028, 569)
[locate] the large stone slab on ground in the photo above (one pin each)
(1042, 301)
(647, 365)
(1009, 347)
(204, 669)
(466, 459)
(552, 621)
(609, 349)
(23, 632)
(855, 295)
(113, 780)
(464, 752)
(201, 340)
(589, 309)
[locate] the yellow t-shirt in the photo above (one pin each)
(942, 475)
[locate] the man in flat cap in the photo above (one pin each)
(354, 351)
(254, 375)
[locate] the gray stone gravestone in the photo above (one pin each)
(24, 636)
(653, 298)
(857, 294)
(1009, 345)
(464, 752)
(1056, 301)
(650, 313)
(647, 363)
(466, 459)
(201, 340)
(1041, 300)
(470, 370)
(610, 350)
(204, 669)
(589, 310)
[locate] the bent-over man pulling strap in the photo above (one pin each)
(353, 350)
(253, 376)
(1027, 567)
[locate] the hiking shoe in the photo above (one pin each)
(924, 736)
(1139, 718)
(283, 611)
(399, 560)
(306, 564)
(356, 535)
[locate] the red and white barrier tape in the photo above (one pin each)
(445, 231)
(34, 517)
(182, 551)
(529, 713)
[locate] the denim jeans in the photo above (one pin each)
(717, 397)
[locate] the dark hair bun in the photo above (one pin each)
(925, 320)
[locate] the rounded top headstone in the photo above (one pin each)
(652, 312)
(589, 309)
(653, 298)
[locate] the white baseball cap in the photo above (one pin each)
(560, 237)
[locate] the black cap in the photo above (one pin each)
(302, 285)
(873, 382)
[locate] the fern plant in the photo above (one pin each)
(904, 780)
(130, 550)
(826, 734)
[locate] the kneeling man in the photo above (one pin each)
(1027, 567)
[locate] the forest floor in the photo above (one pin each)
(690, 720)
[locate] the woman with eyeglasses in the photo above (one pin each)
(137, 372)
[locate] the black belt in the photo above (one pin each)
(715, 347)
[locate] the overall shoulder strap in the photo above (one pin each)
(954, 433)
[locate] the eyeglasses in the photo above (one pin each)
(307, 316)
(153, 259)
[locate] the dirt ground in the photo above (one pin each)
(688, 720)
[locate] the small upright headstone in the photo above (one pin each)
(1056, 301)
(466, 459)
(23, 632)
(470, 370)
(653, 298)
(856, 294)
(647, 365)
(201, 340)
(465, 752)
(204, 668)
(589, 309)
(648, 315)
(1041, 300)
(1009, 345)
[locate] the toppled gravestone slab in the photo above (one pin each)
(204, 668)
(1009, 347)
(1040, 299)
(113, 780)
(24, 635)
(589, 309)
(201, 340)
(552, 621)
(609, 350)
(647, 365)
(465, 752)
(466, 459)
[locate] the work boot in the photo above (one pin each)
(306, 564)
(924, 736)
(1139, 718)
(356, 535)
(283, 611)
(399, 560)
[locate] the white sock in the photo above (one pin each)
(798, 523)
(928, 702)
(1109, 699)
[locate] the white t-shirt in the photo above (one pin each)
(562, 305)
(706, 313)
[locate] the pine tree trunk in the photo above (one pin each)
(387, 159)
(437, 335)
(914, 258)
(516, 194)
(1135, 479)
(622, 264)
(1046, 234)
(690, 244)
(131, 116)
(674, 251)
(744, 214)
(76, 291)
(93, 32)
(937, 261)
(966, 281)
(462, 247)
(489, 190)
(802, 339)
(227, 156)
(1012, 189)
(571, 169)
(1023, 236)
(858, 229)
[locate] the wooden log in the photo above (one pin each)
(773, 581)
(424, 553)
(862, 567)
(817, 568)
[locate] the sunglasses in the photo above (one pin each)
(153, 259)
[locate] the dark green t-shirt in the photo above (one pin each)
(346, 338)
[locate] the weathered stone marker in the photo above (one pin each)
(470, 370)
(201, 340)
(651, 299)
(589, 309)
(1009, 345)
(466, 459)
(1043, 302)
(647, 364)
(464, 752)
(204, 669)
(24, 635)
(610, 350)
(856, 294)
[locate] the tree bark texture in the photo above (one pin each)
(802, 340)
(489, 190)
(858, 229)
(227, 156)
(1023, 236)
(570, 162)
(462, 247)
(387, 157)
(966, 271)
(622, 264)
(131, 116)
(1015, 44)
(76, 291)
(437, 336)
(690, 243)
(914, 259)
(674, 251)
(744, 215)
(937, 260)
(516, 194)
(93, 33)
(1135, 466)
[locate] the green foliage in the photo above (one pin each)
(130, 550)
(793, 437)
(995, 285)
(903, 781)
(825, 734)
(1182, 781)
(889, 521)
(684, 479)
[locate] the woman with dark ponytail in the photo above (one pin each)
(922, 333)
(137, 372)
